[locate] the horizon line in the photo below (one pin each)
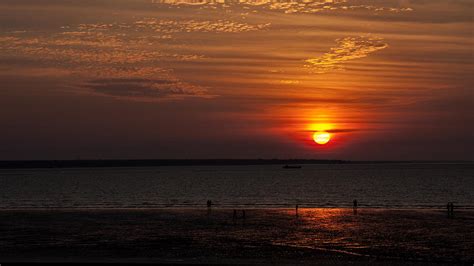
(44, 164)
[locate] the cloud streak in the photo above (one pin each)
(288, 7)
(144, 49)
(145, 89)
(168, 27)
(219, 26)
(347, 49)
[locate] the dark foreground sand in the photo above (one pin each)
(315, 236)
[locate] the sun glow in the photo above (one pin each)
(320, 127)
(321, 137)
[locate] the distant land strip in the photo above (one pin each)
(190, 162)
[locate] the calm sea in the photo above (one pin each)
(333, 185)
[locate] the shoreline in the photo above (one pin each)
(246, 207)
(197, 207)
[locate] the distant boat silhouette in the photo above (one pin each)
(292, 166)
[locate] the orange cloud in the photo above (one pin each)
(347, 49)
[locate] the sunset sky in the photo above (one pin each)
(184, 79)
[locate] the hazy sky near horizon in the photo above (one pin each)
(128, 79)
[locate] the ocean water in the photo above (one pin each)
(259, 186)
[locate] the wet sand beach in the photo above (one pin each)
(315, 235)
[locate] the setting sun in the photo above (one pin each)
(321, 137)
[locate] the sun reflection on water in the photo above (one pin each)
(331, 229)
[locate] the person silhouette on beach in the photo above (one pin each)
(450, 207)
(355, 206)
